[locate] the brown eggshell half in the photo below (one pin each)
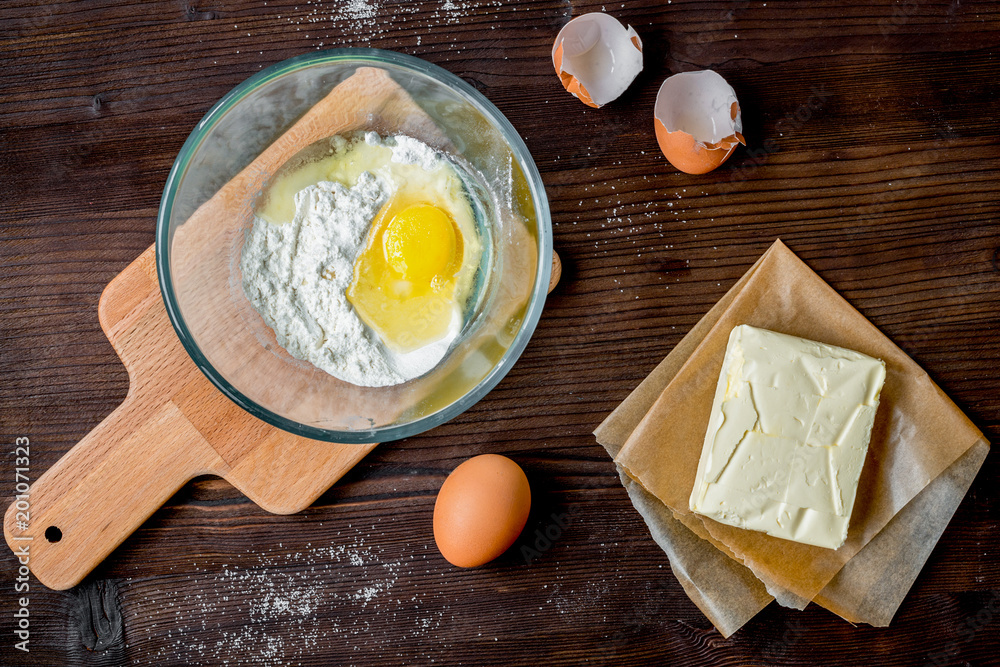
(617, 57)
(687, 100)
(688, 154)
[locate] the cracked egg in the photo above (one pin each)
(697, 121)
(597, 58)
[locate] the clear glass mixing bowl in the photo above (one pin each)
(208, 204)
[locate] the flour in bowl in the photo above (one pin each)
(297, 273)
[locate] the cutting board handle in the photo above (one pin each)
(104, 488)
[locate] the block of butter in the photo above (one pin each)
(787, 436)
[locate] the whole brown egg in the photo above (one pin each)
(480, 510)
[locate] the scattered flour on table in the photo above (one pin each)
(283, 607)
(372, 596)
(359, 9)
(363, 21)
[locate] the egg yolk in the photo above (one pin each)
(419, 243)
(404, 278)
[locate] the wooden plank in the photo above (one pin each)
(890, 191)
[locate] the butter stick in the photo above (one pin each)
(787, 436)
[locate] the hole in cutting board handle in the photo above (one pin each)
(53, 534)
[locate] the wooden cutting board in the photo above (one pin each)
(173, 426)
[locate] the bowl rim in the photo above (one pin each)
(372, 57)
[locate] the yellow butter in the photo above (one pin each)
(787, 436)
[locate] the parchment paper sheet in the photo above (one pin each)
(870, 591)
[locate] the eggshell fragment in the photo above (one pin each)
(480, 510)
(596, 58)
(697, 121)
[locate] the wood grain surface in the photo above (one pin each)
(873, 153)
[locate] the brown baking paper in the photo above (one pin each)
(725, 591)
(872, 585)
(930, 433)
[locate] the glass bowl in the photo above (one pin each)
(207, 207)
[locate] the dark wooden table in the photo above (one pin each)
(888, 186)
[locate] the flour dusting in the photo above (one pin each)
(291, 600)
(296, 275)
(366, 21)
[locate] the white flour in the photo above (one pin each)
(295, 275)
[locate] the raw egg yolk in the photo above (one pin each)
(419, 243)
(404, 278)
